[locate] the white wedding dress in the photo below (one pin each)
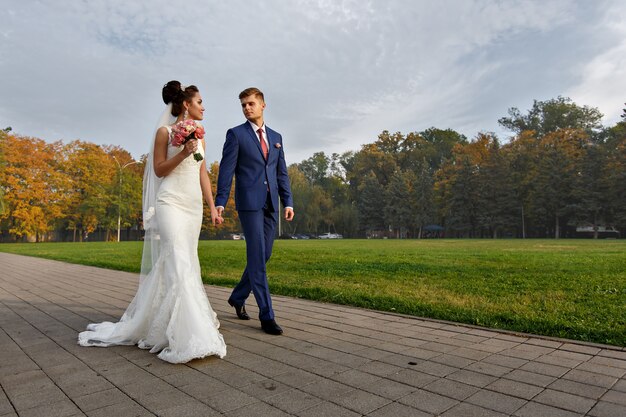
(170, 313)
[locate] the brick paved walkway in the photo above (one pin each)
(332, 361)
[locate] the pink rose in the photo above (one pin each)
(199, 131)
(177, 139)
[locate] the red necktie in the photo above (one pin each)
(263, 144)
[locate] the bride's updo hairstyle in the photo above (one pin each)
(173, 93)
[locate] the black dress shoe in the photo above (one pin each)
(270, 327)
(240, 310)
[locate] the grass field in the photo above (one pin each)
(566, 288)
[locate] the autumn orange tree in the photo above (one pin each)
(32, 186)
(91, 189)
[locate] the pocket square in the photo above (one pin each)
(277, 145)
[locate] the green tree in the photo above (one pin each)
(336, 166)
(591, 189)
(315, 168)
(310, 203)
(345, 219)
(457, 189)
(371, 159)
(521, 155)
(397, 213)
(422, 197)
(370, 204)
(127, 187)
(327, 178)
(496, 195)
(615, 149)
(390, 143)
(412, 151)
(559, 164)
(442, 143)
(551, 115)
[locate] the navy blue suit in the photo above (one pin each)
(258, 186)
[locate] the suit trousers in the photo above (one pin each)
(258, 227)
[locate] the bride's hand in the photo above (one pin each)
(191, 146)
(216, 218)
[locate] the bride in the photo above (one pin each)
(170, 313)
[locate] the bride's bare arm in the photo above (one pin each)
(162, 165)
(205, 184)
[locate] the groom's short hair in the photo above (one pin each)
(252, 91)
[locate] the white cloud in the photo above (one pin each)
(603, 79)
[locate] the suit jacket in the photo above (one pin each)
(242, 157)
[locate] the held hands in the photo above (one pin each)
(216, 217)
(289, 214)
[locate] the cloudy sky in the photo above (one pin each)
(335, 72)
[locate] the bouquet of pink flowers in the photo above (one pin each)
(184, 131)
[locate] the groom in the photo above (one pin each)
(253, 153)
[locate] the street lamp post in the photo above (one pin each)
(119, 200)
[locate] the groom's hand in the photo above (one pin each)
(289, 214)
(220, 210)
(216, 218)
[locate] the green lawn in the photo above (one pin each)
(566, 288)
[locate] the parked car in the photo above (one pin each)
(330, 236)
(602, 232)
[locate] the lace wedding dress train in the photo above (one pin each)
(170, 313)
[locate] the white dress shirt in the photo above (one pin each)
(255, 128)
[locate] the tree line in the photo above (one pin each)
(560, 169)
